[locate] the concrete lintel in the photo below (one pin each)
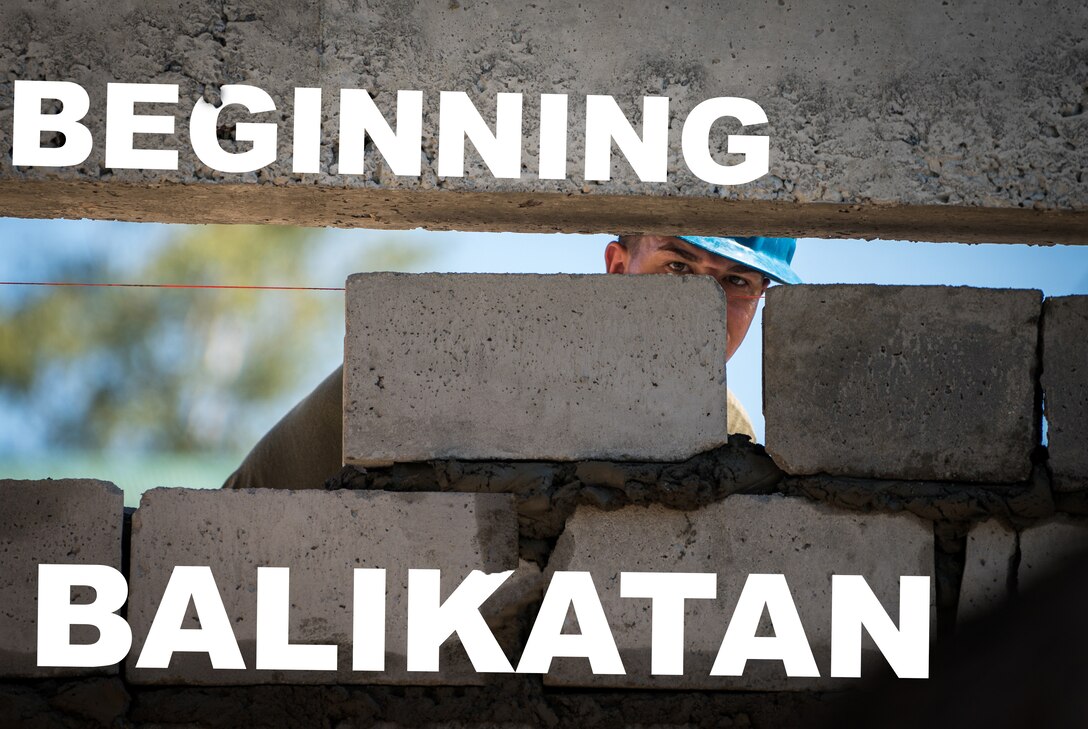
(529, 212)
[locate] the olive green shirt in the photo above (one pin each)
(736, 417)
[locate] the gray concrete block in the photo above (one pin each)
(738, 536)
(902, 382)
(991, 551)
(321, 537)
(68, 521)
(525, 367)
(1047, 548)
(1065, 388)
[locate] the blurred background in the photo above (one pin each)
(152, 387)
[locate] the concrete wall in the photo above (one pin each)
(733, 510)
(963, 121)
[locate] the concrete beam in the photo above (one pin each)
(528, 212)
(870, 135)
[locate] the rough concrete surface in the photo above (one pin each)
(68, 521)
(321, 536)
(1049, 547)
(736, 537)
(496, 367)
(988, 569)
(902, 382)
(864, 105)
(1065, 389)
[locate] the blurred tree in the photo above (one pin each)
(181, 370)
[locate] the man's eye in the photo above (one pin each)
(738, 281)
(677, 267)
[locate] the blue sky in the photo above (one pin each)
(26, 245)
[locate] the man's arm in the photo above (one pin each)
(303, 449)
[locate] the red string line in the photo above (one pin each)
(215, 286)
(172, 286)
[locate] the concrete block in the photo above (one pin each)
(1065, 388)
(68, 521)
(321, 536)
(901, 382)
(741, 535)
(557, 367)
(991, 551)
(1047, 548)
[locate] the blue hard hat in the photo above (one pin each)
(769, 256)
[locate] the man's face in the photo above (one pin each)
(660, 254)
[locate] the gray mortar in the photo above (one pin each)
(547, 493)
(937, 501)
(865, 107)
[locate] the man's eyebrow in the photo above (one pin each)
(741, 268)
(673, 248)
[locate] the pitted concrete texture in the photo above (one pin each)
(741, 535)
(901, 382)
(1049, 547)
(493, 367)
(321, 537)
(68, 521)
(987, 569)
(1065, 388)
(865, 107)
